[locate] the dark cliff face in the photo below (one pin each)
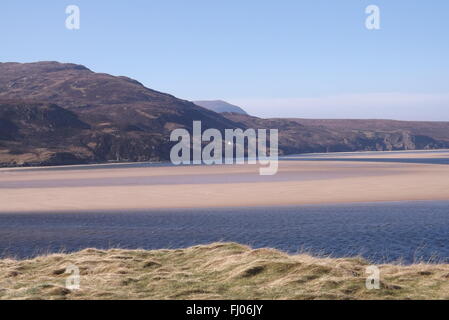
(38, 133)
(304, 135)
(54, 114)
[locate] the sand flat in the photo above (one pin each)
(297, 183)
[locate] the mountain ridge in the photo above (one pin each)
(220, 106)
(127, 121)
(55, 114)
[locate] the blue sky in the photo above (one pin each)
(274, 58)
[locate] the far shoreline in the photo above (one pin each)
(167, 163)
(169, 210)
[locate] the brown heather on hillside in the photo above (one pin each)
(121, 119)
(53, 114)
(309, 135)
(216, 271)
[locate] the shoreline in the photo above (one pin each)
(224, 208)
(352, 154)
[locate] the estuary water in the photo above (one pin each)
(404, 232)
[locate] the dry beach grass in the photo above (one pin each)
(216, 271)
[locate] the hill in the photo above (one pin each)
(308, 135)
(220, 106)
(121, 119)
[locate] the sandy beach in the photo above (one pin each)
(297, 183)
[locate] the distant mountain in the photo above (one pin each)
(219, 106)
(54, 114)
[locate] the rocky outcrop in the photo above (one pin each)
(305, 136)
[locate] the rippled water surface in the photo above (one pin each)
(381, 232)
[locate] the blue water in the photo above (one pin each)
(371, 156)
(443, 161)
(381, 232)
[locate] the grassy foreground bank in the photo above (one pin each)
(216, 271)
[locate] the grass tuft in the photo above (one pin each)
(215, 271)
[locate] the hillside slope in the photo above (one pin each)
(303, 135)
(123, 120)
(220, 106)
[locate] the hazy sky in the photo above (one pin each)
(291, 58)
